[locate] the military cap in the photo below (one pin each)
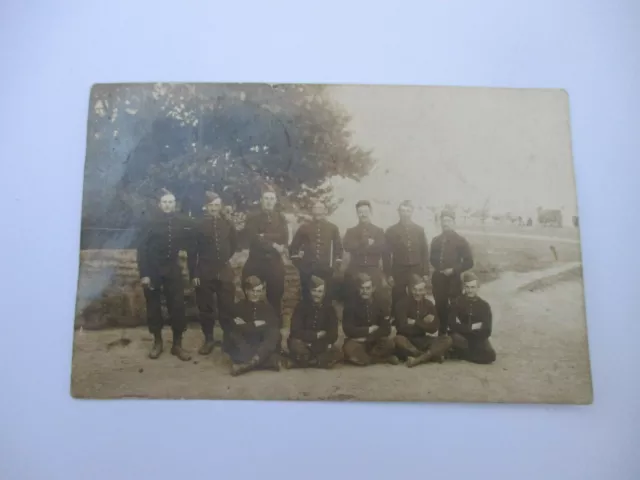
(406, 203)
(363, 203)
(469, 277)
(163, 192)
(316, 282)
(363, 278)
(252, 282)
(416, 280)
(448, 213)
(268, 189)
(211, 196)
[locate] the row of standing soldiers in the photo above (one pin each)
(459, 324)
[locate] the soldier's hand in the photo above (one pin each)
(238, 321)
(373, 328)
(391, 281)
(146, 282)
(321, 334)
(196, 282)
(448, 272)
(259, 323)
(411, 321)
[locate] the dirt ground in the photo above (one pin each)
(539, 335)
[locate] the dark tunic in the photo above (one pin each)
(215, 242)
(262, 229)
(248, 340)
(471, 318)
(319, 242)
(359, 315)
(356, 242)
(408, 308)
(408, 247)
(451, 250)
(308, 319)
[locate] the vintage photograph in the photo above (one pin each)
(330, 242)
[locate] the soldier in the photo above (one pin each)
(254, 338)
(215, 242)
(366, 246)
(450, 257)
(316, 249)
(367, 327)
(417, 323)
(471, 324)
(268, 236)
(409, 253)
(160, 242)
(314, 330)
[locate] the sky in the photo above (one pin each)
(437, 145)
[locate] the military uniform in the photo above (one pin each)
(417, 338)
(365, 256)
(319, 245)
(215, 242)
(305, 348)
(262, 230)
(448, 250)
(160, 242)
(361, 347)
(247, 341)
(409, 255)
(470, 322)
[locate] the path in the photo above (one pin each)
(519, 235)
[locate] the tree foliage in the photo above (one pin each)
(232, 138)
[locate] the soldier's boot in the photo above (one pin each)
(404, 346)
(437, 351)
(208, 345)
(156, 349)
(423, 358)
(272, 362)
(328, 360)
(393, 360)
(178, 351)
(240, 368)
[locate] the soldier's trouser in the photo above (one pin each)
(242, 349)
(225, 292)
(409, 346)
(325, 272)
(172, 287)
(401, 281)
(270, 271)
(445, 289)
(472, 350)
(376, 351)
(315, 354)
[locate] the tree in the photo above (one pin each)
(232, 138)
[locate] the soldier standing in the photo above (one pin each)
(268, 236)
(367, 327)
(471, 323)
(409, 254)
(450, 257)
(316, 249)
(366, 246)
(314, 330)
(160, 243)
(215, 242)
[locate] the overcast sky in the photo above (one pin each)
(439, 145)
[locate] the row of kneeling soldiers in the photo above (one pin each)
(458, 325)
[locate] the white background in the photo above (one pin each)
(50, 56)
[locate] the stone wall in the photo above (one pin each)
(110, 295)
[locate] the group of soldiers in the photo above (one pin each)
(398, 259)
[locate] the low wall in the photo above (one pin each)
(110, 295)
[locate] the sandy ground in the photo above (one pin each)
(539, 335)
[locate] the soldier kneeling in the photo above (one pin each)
(417, 324)
(367, 327)
(254, 338)
(314, 330)
(470, 324)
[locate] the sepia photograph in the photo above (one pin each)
(330, 242)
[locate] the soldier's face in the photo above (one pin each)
(318, 211)
(168, 204)
(471, 288)
(364, 214)
(255, 294)
(317, 294)
(405, 213)
(214, 207)
(268, 200)
(366, 290)
(419, 291)
(447, 224)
